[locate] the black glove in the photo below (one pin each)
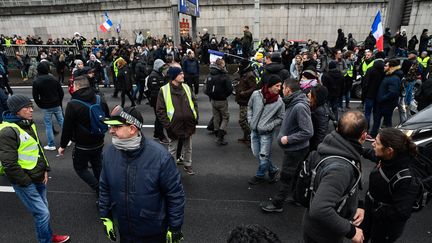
(174, 236)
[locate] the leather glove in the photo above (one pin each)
(109, 229)
(174, 236)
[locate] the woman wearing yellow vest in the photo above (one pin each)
(25, 165)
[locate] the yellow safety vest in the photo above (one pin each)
(423, 62)
(349, 72)
(166, 92)
(115, 66)
(8, 42)
(365, 66)
(28, 150)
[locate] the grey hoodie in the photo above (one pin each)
(297, 123)
(158, 64)
(264, 118)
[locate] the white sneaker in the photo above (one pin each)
(69, 144)
(51, 148)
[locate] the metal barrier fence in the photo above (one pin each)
(33, 50)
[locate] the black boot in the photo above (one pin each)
(220, 137)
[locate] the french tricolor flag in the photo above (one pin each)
(106, 25)
(377, 32)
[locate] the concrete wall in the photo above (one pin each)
(290, 19)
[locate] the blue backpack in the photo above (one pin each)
(97, 115)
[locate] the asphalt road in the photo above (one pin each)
(218, 196)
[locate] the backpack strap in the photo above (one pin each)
(401, 175)
(353, 188)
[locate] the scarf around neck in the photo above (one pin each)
(269, 97)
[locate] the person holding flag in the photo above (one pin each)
(377, 32)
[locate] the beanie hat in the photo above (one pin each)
(273, 79)
(16, 102)
(173, 72)
(413, 52)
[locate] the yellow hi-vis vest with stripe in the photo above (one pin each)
(8, 42)
(349, 72)
(365, 66)
(115, 68)
(28, 150)
(424, 62)
(166, 92)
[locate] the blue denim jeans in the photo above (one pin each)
(35, 200)
(368, 107)
(106, 77)
(48, 113)
(409, 92)
(382, 111)
(261, 149)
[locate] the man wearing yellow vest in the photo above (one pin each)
(177, 110)
(25, 165)
(424, 60)
(366, 63)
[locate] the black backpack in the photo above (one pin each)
(420, 172)
(97, 115)
(305, 181)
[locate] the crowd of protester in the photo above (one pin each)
(302, 88)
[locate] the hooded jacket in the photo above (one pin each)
(389, 89)
(9, 145)
(321, 222)
(274, 68)
(183, 121)
(77, 117)
(142, 189)
(218, 84)
(246, 86)
(320, 121)
(47, 91)
(333, 80)
(155, 81)
(297, 122)
(191, 67)
(264, 118)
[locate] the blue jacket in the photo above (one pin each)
(191, 67)
(3, 103)
(389, 89)
(142, 189)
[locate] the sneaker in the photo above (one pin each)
(50, 148)
(370, 138)
(271, 208)
(256, 180)
(189, 170)
(69, 144)
(273, 177)
(163, 141)
(180, 160)
(59, 238)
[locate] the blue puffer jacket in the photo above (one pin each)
(142, 189)
(389, 89)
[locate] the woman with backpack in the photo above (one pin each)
(392, 186)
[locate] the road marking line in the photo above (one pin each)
(6, 189)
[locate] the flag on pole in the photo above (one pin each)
(105, 26)
(214, 55)
(377, 32)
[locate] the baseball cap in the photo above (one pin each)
(126, 116)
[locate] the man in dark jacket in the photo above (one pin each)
(387, 40)
(77, 128)
(192, 71)
(340, 41)
(244, 89)
(247, 41)
(369, 43)
(25, 165)
(141, 72)
(274, 66)
(424, 41)
(401, 43)
(139, 177)
(424, 97)
(48, 95)
(3, 103)
(154, 82)
(372, 81)
(293, 138)
(218, 89)
(387, 96)
(322, 221)
(177, 110)
(333, 80)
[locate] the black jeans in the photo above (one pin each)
(81, 158)
(123, 98)
(193, 82)
(291, 161)
(158, 127)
